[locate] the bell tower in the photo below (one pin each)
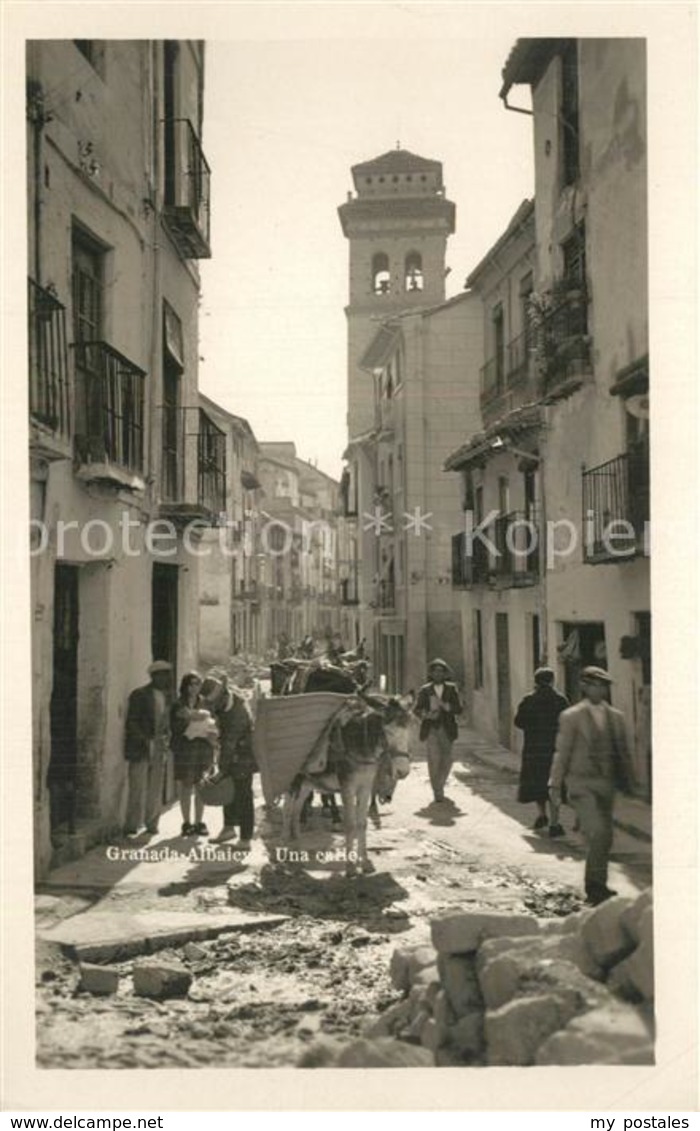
(397, 222)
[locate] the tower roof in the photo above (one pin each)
(397, 161)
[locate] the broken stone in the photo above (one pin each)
(384, 1053)
(604, 934)
(460, 982)
(464, 932)
(498, 979)
(613, 1034)
(573, 948)
(395, 1018)
(98, 979)
(161, 979)
(415, 1030)
(516, 1030)
(406, 962)
(631, 918)
(443, 1012)
(447, 1057)
(633, 978)
(432, 1036)
(467, 1034)
(195, 953)
(323, 1053)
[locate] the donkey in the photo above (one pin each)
(367, 752)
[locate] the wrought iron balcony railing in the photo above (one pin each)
(109, 407)
(565, 347)
(616, 507)
(469, 568)
(48, 361)
(500, 375)
(193, 468)
(516, 537)
(187, 190)
(386, 594)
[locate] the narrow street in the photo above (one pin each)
(295, 950)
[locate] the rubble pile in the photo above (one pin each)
(503, 989)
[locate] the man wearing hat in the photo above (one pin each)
(146, 746)
(592, 759)
(437, 706)
(236, 758)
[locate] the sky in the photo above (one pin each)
(283, 123)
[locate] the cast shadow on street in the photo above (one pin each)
(442, 814)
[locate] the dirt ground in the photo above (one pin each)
(260, 997)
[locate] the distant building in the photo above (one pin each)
(409, 394)
(231, 604)
(299, 543)
(118, 196)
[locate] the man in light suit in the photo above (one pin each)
(592, 759)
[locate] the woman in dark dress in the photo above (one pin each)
(538, 717)
(193, 753)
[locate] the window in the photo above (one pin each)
(414, 272)
(478, 645)
(171, 430)
(499, 342)
(381, 278)
(503, 494)
(570, 167)
(525, 289)
(535, 641)
(88, 274)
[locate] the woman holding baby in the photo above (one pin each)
(193, 738)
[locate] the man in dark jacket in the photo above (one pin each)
(538, 717)
(146, 747)
(437, 706)
(236, 758)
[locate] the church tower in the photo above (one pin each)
(397, 222)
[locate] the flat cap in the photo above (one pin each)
(599, 674)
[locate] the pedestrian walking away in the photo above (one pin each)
(437, 706)
(538, 718)
(592, 760)
(236, 758)
(193, 738)
(146, 748)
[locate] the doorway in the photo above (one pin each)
(583, 644)
(503, 678)
(63, 762)
(164, 606)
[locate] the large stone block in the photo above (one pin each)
(604, 935)
(460, 982)
(161, 979)
(407, 962)
(613, 1034)
(384, 1053)
(443, 1012)
(98, 979)
(464, 932)
(516, 1030)
(573, 948)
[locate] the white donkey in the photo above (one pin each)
(368, 752)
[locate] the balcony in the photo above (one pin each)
(506, 382)
(516, 537)
(187, 190)
(469, 569)
(109, 416)
(616, 507)
(193, 470)
(49, 405)
(564, 348)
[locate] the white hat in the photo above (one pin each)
(160, 666)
